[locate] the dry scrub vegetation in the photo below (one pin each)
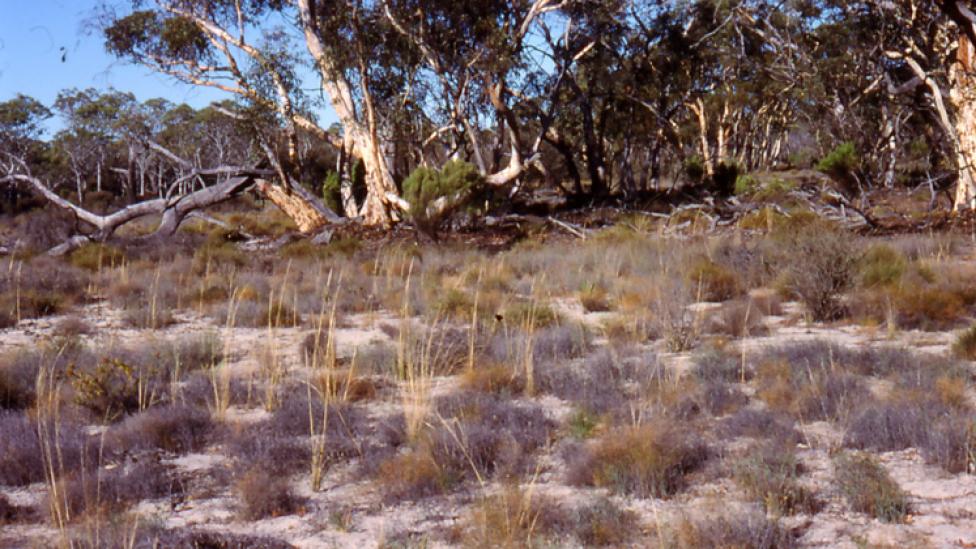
(796, 388)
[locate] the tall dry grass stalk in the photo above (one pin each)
(414, 367)
(319, 434)
(220, 372)
(529, 328)
(473, 333)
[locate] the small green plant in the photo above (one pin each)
(745, 185)
(868, 488)
(882, 265)
(582, 424)
(332, 192)
(841, 164)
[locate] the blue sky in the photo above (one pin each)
(32, 35)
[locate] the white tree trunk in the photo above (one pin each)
(962, 93)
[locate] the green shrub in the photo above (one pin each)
(725, 177)
(109, 391)
(868, 488)
(745, 185)
(841, 163)
(694, 168)
(882, 265)
(714, 281)
(455, 182)
(332, 192)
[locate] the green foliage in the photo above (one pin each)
(455, 182)
(94, 257)
(882, 265)
(745, 185)
(582, 424)
(109, 391)
(841, 162)
(694, 168)
(332, 192)
(725, 177)
(868, 488)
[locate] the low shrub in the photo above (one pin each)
(882, 265)
(964, 346)
(176, 429)
(110, 491)
(645, 461)
(513, 519)
(109, 390)
(928, 308)
(868, 488)
(412, 476)
(11, 513)
(603, 523)
(494, 378)
(951, 443)
(820, 264)
(719, 398)
(888, 427)
(713, 282)
(739, 318)
(770, 475)
(594, 298)
(95, 257)
(760, 424)
(750, 530)
(719, 363)
(264, 495)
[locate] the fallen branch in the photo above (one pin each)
(574, 230)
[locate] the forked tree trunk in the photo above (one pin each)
(296, 204)
(962, 93)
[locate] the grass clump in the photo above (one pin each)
(882, 265)
(644, 461)
(514, 518)
(265, 495)
(868, 488)
(770, 474)
(964, 346)
(603, 523)
(750, 530)
(594, 298)
(712, 281)
(95, 257)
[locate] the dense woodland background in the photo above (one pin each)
(444, 104)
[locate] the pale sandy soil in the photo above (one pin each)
(944, 506)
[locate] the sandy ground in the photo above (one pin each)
(350, 513)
